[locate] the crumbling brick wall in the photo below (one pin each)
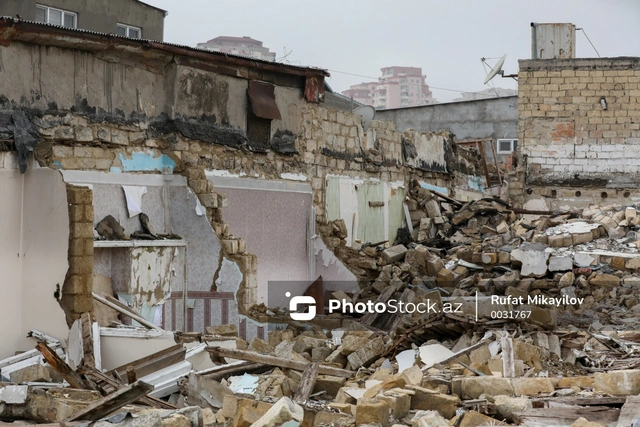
(75, 296)
(578, 130)
(330, 143)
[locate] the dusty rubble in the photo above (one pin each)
(530, 319)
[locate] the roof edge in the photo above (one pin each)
(13, 29)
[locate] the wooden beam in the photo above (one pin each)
(566, 416)
(111, 403)
(495, 160)
(484, 163)
(86, 326)
(131, 375)
(307, 382)
(71, 376)
(447, 198)
(219, 373)
(276, 361)
(116, 385)
(121, 308)
(154, 362)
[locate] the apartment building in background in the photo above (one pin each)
(397, 87)
(127, 18)
(244, 46)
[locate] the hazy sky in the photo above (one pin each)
(446, 38)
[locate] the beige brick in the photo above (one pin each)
(62, 151)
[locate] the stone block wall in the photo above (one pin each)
(330, 143)
(78, 284)
(579, 127)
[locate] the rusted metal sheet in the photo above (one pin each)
(549, 41)
(314, 89)
(263, 100)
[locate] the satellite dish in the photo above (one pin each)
(367, 112)
(497, 69)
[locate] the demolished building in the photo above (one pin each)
(158, 197)
(158, 128)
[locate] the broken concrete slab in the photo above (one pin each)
(533, 257)
(560, 263)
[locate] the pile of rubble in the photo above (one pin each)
(510, 317)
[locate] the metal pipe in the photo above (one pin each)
(534, 40)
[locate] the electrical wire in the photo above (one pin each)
(589, 40)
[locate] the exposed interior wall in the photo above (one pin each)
(274, 218)
(34, 228)
(573, 149)
(172, 130)
(172, 209)
(372, 210)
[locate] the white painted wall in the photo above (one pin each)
(34, 230)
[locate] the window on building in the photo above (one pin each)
(129, 31)
(53, 16)
(262, 109)
(507, 145)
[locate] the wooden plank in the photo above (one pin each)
(508, 360)
(154, 362)
(495, 160)
(307, 382)
(276, 361)
(630, 412)
(222, 372)
(88, 358)
(62, 368)
(588, 401)
(566, 416)
(484, 163)
(131, 375)
(121, 308)
(117, 384)
(111, 403)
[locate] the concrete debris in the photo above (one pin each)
(495, 320)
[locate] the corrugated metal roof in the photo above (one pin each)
(145, 43)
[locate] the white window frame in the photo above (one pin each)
(62, 11)
(512, 145)
(128, 28)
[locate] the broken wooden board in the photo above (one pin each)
(62, 368)
(109, 385)
(630, 412)
(276, 361)
(88, 358)
(153, 362)
(121, 308)
(111, 403)
(306, 384)
(218, 373)
(566, 416)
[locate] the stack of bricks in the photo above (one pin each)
(579, 119)
(78, 284)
